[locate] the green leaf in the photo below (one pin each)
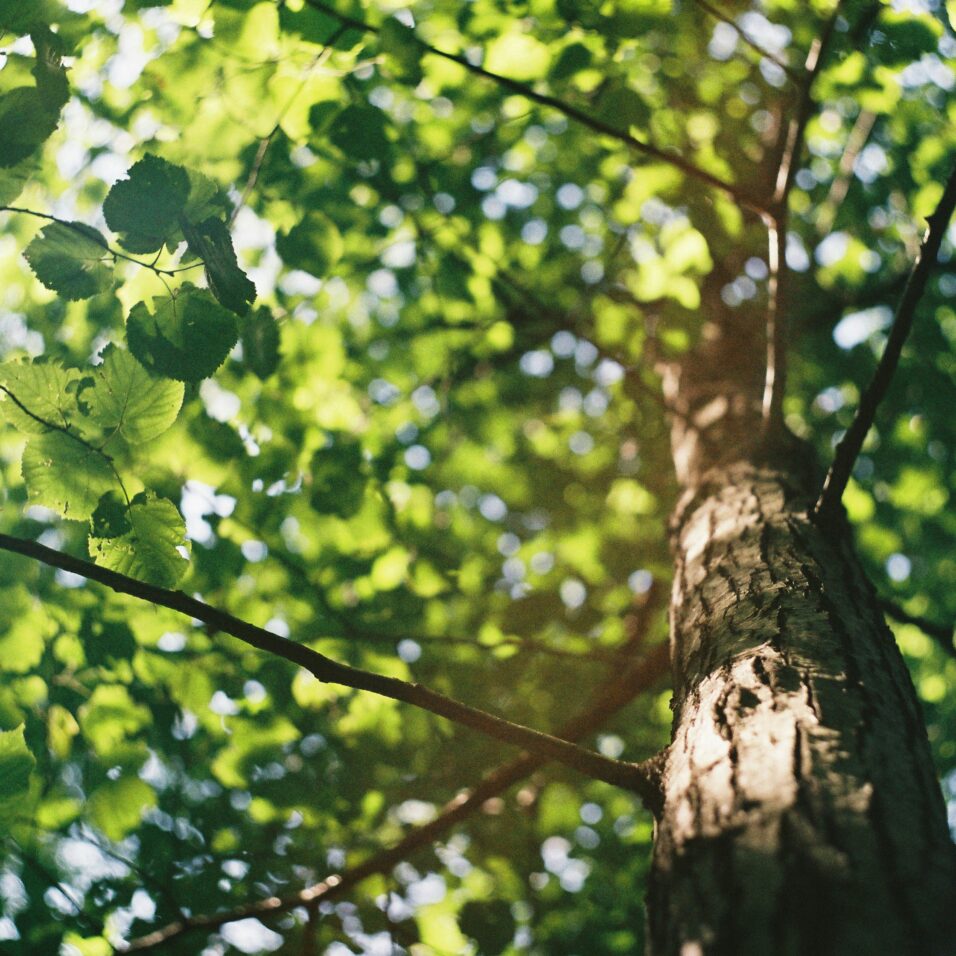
(186, 338)
(65, 475)
(148, 551)
(145, 208)
(314, 245)
(21, 16)
(210, 240)
(117, 806)
(52, 84)
(14, 179)
(359, 131)
(71, 260)
(260, 343)
(126, 398)
(16, 765)
(337, 485)
(25, 123)
(111, 518)
(206, 198)
(490, 924)
(402, 49)
(45, 389)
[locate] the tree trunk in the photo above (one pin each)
(802, 814)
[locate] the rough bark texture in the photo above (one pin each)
(802, 814)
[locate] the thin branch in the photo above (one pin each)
(744, 36)
(82, 230)
(777, 220)
(838, 189)
(941, 634)
(851, 443)
(609, 700)
(266, 140)
(618, 773)
(737, 193)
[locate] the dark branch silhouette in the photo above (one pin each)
(851, 443)
(737, 193)
(718, 14)
(616, 772)
(938, 632)
(611, 698)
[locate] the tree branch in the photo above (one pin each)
(610, 699)
(108, 249)
(938, 632)
(766, 54)
(618, 773)
(737, 193)
(851, 443)
(777, 220)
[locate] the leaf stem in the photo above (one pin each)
(115, 253)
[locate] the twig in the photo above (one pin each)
(610, 699)
(737, 193)
(851, 443)
(855, 142)
(777, 219)
(618, 773)
(938, 632)
(266, 140)
(725, 18)
(80, 230)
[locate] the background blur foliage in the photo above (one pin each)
(434, 447)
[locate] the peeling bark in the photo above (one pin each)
(802, 814)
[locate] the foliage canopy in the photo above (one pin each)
(347, 319)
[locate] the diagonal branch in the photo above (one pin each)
(737, 193)
(717, 14)
(618, 773)
(851, 443)
(938, 632)
(611, 698)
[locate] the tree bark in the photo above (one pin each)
(801, 812)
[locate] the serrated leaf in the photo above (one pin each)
(148, 550)
(260, 343)
(25, 123)
(127, 399)
(186, 338)
(65, 475)
(45, 389)
(16, 765)
(145, 208)
(210, 240)
(313, 245)
(69, 259)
